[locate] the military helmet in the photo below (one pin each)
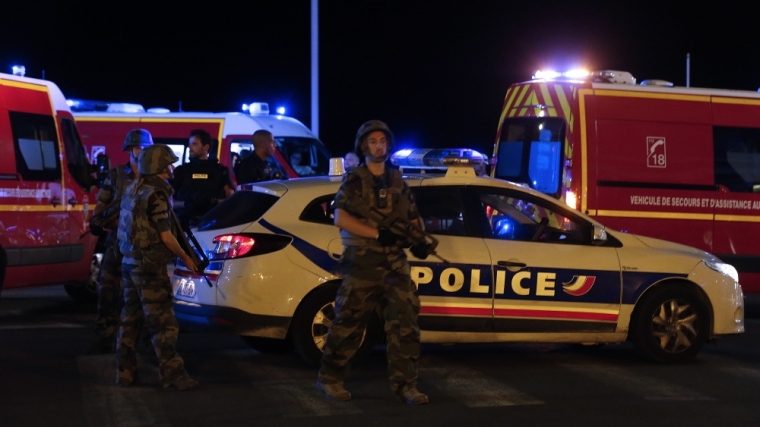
(137, 138)
(155, 158)
(368, 128)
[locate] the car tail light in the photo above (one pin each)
(230, 246)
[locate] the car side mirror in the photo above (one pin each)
(600, 234)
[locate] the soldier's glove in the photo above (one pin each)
(420, 250)
(386, 237)
(97, 230)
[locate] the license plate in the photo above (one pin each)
(186, 288)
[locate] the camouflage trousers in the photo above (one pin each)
(110, 295)
(147, 298)
(360, 294)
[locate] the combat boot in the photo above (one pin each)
(334, 391)
(412, 396)
(184, 382)
(125, 379)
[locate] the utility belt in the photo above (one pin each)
(132, 248)
(370, 244)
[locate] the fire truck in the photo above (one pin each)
(676, 163)
(104, 125)
(46, 185)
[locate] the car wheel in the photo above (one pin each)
(671, 324)
(269, 345)
(311, 324)
(87, 291)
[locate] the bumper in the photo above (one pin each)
(230, 319)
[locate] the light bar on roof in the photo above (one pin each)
(436, 158)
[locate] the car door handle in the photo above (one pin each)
(512, 264)
(55, 201)
(72, 201)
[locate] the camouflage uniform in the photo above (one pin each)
(375, 275)
(147, 289)
(110, 300)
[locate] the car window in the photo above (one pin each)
(320, 210)
(36, 146)
(241, 208)
(516, 216)
(442, 210)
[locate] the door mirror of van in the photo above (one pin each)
(102, 166)
(600, 235)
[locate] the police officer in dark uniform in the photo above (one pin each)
(255, 168)
(201, 183)
(376, 271)
(110, 297)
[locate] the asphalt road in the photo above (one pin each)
(45, 380)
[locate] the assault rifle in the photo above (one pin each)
(109, 215)
(190, 246)
(413, 233)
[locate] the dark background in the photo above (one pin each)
(435, 71)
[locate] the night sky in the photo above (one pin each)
(435, 71)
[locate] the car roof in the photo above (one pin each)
(310, 187)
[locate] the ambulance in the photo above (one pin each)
(104, 125)
(676, 163)
(45, 189)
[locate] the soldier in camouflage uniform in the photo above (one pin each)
(110, 296)
(376, 271)
(147, 244)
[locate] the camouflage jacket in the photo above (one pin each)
(145, 214)
(388, 193)
(115, 184)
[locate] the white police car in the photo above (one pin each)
(523, 268)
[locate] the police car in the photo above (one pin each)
(517, 266)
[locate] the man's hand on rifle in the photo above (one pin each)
(189, 263)
(421, 250)
(386, 237)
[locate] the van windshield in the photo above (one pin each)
(530, 152)
(307, 156)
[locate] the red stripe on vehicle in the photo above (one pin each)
(551, 314)
(464, 311)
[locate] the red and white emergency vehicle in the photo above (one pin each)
(104, 126)
(45, 187)
(677, 163)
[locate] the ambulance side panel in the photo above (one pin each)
(42, 210)
(101, 137)
(737, 210)
(652, 151)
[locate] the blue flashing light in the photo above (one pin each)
(281, 111)
(437, 158)
(256, 108)
(18, 70)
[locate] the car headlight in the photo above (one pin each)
(726, 269)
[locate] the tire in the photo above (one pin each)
(311, 324)
(269, 345)
(87, 292)
(671, 324)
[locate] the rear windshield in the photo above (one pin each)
(243, 207)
